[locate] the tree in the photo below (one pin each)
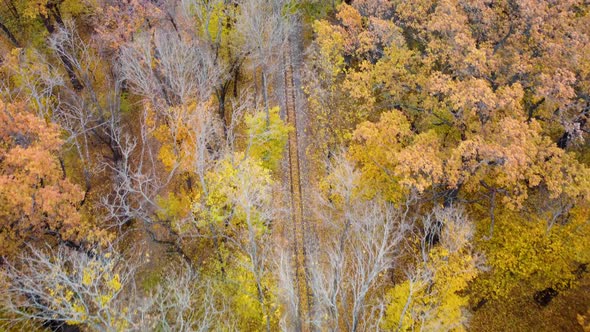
(477, 103)
(266, 137)
(519, 175)
(435, 132)
(431, 298)
(358, 241)
(237, 212)
(116, 22)
(184, 301)
(169, 71)
(88, 115)
(69, 287)
(38, 19)
(528, 252)
(435, 90)
(493, 160)
(96, 290)
(341, 87)
(265, 27)
(230, 210)
(36, 198)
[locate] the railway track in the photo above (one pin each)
(298, 227)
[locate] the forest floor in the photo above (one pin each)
(524, 314)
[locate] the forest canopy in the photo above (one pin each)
(296, 165)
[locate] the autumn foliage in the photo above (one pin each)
(37, 199)
(265, 165)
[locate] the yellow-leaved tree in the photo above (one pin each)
(433, 297)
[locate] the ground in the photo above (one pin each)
(523, 314)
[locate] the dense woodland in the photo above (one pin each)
(311, 165)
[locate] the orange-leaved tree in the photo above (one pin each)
(36, 200)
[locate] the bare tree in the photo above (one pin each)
(135, 182)
(86, 114)
(357, 242)
(288, 293)
(182, 302)
(69, 286)
(162, 67)
(39, 83)
(265, 27)
(201, 20)
(96, 290)
(177, 78)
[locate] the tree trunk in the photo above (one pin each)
(265, 97)
(9, 35)
(66, 62)
(221, 94)
(450, 197)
